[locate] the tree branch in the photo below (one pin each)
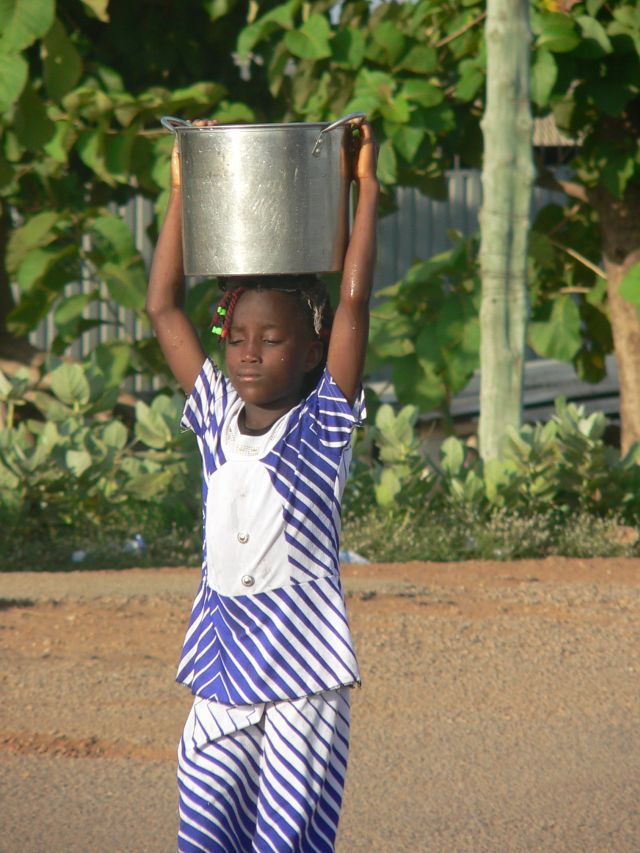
(462, 30)
(580, 258)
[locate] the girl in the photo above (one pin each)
(268, 652)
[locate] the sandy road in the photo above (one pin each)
(500, 709)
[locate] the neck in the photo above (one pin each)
(254, 420)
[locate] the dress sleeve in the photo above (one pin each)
(210, 389)
(334, 419)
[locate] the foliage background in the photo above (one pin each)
(81, 94)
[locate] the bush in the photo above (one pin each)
(74, 477)
(392, 535)
(552, 470)
(79, 478)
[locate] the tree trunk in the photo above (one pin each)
(507, 178)
(620, 228)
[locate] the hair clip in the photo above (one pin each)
(216, 330)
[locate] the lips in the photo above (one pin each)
(248, 377)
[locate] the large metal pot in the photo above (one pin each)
(264, 199)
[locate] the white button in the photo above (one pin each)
(243, 538)
(248, 580)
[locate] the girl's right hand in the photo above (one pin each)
(366, 152)
(176, 168)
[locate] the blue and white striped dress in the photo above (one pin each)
(268, 636)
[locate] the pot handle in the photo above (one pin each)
(172, 123)
(341, 121)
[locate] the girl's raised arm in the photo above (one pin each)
(348, 343)
(176, 335)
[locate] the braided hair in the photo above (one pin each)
(311, 293)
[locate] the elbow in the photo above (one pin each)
(154, 312)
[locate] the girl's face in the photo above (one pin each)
(270, 348)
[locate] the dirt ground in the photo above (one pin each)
(499, 712)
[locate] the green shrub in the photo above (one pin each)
(70, 470)
(554, 469)
(393, 535)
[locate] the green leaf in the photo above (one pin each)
(113, 237)
(115, 435)
(13, 76)
(472, 76)
(32, 125)
(62, 64)
(388, 487)
(35, 233)
(558, 34)
(406, 139)
(70, 310)
(113, 358)
(387, 35)
(99, 9)
(348, 47)
(421, 92)
(559, 337)
(149, 486)
(420, 59)
(117, 153)
(416, 382)
(311, 41)
(280, 18)
(452, 453)
(618, 170)
(630, 285)
(387, 163)
(39, 262)
(32, 309)
(594, 6)
(377, 87)
(91, 149)
(62, 141)
(592, 29)
(78, 461)
(70, 385)
(544, 72)
(396, 110)
(22, 22)
(219, 8)
(127, 283)
(150, 427)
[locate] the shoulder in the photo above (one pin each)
(212, 391)
(329, 414)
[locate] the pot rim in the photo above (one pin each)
(295, 125)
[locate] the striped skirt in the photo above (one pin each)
(263, 777)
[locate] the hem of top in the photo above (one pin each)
(356, 683)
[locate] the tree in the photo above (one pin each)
(81, 95)
(507, 177)
(587, 73)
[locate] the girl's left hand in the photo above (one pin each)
(366, 152)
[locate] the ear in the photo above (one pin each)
(315, 352)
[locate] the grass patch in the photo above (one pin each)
(398, 536)
(113, 548)
(380, 535)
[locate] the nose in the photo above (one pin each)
(250, 353)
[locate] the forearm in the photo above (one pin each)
(165, 292)
(357, 276)
(165, 300)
